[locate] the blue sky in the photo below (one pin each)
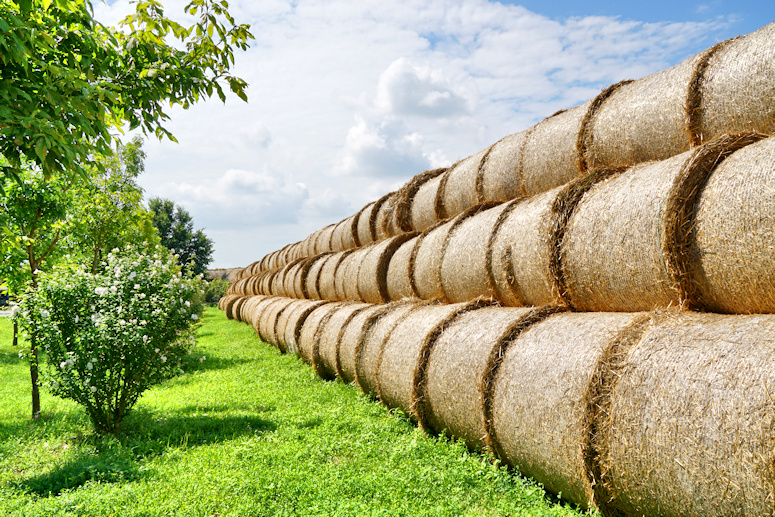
(349, 100)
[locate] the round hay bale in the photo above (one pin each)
(465, 272)
(349, 232)
(520, 254)
(326, 286)
(289, 277)
(269, 319)
(402, 363)
(733, 233)
(460, 188)
(297, 279)
(643, 120)
(549, 156)
(689, 422)
(306, 342)
(349, 273)
(423, 212)
(399, 274)
(352, 338)
(312, 280)
(380, 216)
(265, 282)
(228, 305)
(426, 258)
(502, 170)
(248, 309)
(290, 322)
(368, 351)
(325, 354)
(323, 241)
(407, 195)
(539, 399)
(373, 270)
(364, 224)
(340, 276)
(458, 364)
(308, 245)
(337, 236)
(738, 86)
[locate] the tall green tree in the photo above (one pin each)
(67, 81)
(109, 211)
(176, 230)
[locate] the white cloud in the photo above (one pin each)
(350, 99)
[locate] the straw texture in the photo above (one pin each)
(326, 359)
(270, 317)
(290, 322)
(460, 188)
(364, 224)
(372, 274)
(407, 194)
(383, 222)
(399, 274)
(539, 407)
(464, 271)
(326, 286)
(423, 211)
(312, 279)
(306, 345)
(691, 422)
(739, 85)
(352, 338)
(426, 260)
(501, 174)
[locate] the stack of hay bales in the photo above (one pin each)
(543, 301)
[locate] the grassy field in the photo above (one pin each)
(247, 431)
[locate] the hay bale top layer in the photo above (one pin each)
(460, 188)
(399, 281)
(501, 174)
(424, 213)
(364, 224)
(704, 426)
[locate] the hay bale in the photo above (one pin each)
(308, 245)
(381, 215)
(290, 322)
(402, 365)
(339, 276)
(423, 212)
(364, 224)
(352, 338)
(539, 399)
(368, 351)
(406, 198)
(426, 258)
(349, 273)
(257, 311)
(460, 188)
(372, 274)
(399, 274)
(270, 317)
(265, 282)
(457, 365)
(228, 304)
(465, 271)
(733, 233)
(323, 242)
(337, 236)
(690, 417)
(326, 287)
(325, 353)
(312, 280)
(502, 170)
(521, 255)
(643, 120)
(248, 309)
(549, 156)
(289, 277)
(306, 342)
(738, 86)
(350, 233)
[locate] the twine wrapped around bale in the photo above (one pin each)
(364, 224)
(352, 337)
(369, 349)
(738, 86)
(407, 195)
(454, 398)
(423, 213)
(325, 352)
(399, 274)
(729, 266)
(549, 156)
(686, 423)
(465, 272)
(460, 186)
(290, 322)
(305, 345)
(501, 173)
(539, 399)
(372, 274)
(403, 360)
(520, 254)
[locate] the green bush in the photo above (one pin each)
(215, 290)
(110, 336)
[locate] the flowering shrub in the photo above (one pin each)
(110, 336)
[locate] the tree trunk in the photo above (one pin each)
(34, 378)
(15, 333)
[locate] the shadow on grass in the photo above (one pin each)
(11, 358)
(118, 459)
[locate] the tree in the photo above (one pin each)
(176, 230)
(109, 211)
(35, 211)
(67, 80)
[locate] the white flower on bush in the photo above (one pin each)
(194, 317)
(99, 291)
(45, 314)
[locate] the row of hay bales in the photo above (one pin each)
(727, 88)
(661, 413)
(693, 230)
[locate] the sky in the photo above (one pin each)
(349, 100)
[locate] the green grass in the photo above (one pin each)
(248, 431)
